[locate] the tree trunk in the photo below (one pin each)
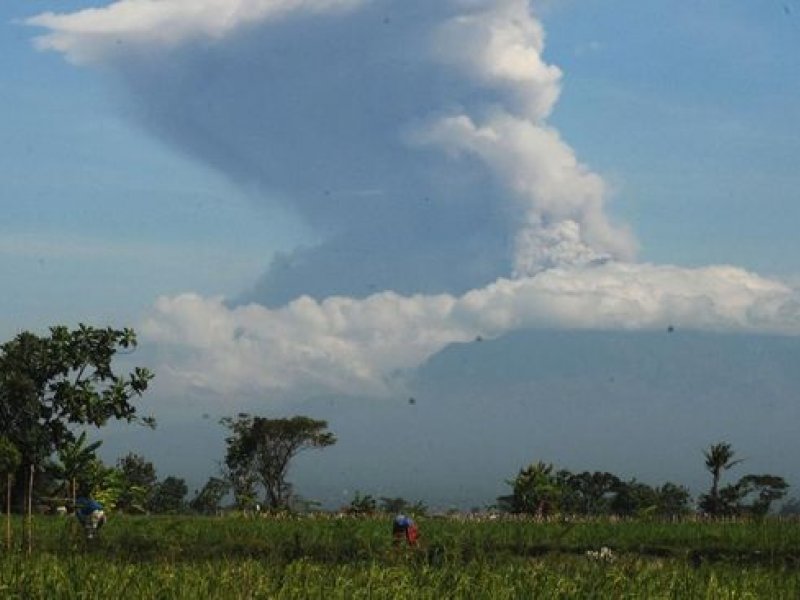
(8, 511)
(715, 492)
(30, 510)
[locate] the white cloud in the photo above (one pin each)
(561, 216)
(359, 346)
(555, 208)
(502, 45)
(281, 112)
(96, 34)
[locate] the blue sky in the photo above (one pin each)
(699, 100)
(98, 218)
(314, 205)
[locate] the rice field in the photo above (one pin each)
(234, 557)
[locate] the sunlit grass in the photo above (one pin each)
(195, 557)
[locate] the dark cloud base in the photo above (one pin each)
(313, 113)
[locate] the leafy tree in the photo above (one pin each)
(762, 491)
(139, 480)
(169, 496)
(752, 494)
(362, 505)
(535, 491)
(719, 458)
(74, 459)
(672, 500)
(105, 484)
(634, 498)
(393, 505)
(207, 501)
(10, 457)
(586, 493)
(267, 446)
(240, 465)
(50, 383)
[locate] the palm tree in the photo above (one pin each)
(719, 458)
(75, 461)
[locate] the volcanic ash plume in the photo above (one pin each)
(413, 137)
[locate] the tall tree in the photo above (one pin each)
(169, 496)
(719, 458)
(633, 498)
(240, 464)
(50, 383)
(139, 477)
(763, 490)
(586, 493)
(672, 500)
(207, 500)
(267, 446)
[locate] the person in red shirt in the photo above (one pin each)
(404, 528)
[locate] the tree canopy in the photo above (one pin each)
(49, 384)
(537, 490)
(264, 447)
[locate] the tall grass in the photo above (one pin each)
(196, 557)
(48, 576)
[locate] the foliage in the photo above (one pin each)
(240, 466)
(761, 491)
(401, 505)
(264, 447)
(169, 496)
(752, 494)
(587, 493)
(139, 480)
(207, 501)
(10, 457)
(719, 458)
(535, 491)
(50, 383)
(362, 505)
(72, 468)
(634, 498)
(672, 500)
(393, 505)
(104, 484)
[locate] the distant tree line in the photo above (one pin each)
(54, 386)
(539, 489)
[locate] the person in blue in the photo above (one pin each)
(404, 528)
(90, 515)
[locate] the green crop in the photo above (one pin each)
(198, 557)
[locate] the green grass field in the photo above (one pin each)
(233, 557)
